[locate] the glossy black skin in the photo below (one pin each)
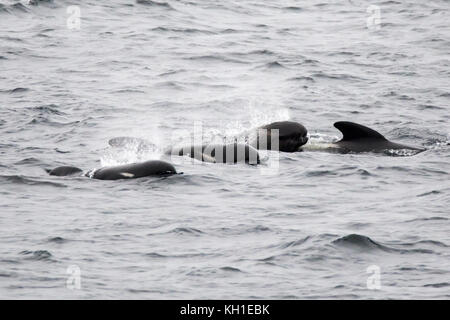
(220, 153)
(359, 138)
(128, 171)
(292, 135)
(135, 170)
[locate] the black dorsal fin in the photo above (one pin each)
(352, 131)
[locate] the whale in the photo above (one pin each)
(65, 171)
(292, 135)
(126, 171)
(213, 153)
(134, 170)
(357, 138)
(219, 153)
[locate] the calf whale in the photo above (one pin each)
(65, 171)
(291, 136)
(127, 171)
(358, 138)
(219, 153)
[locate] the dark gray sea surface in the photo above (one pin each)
(74, 74)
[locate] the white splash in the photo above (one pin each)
(134, 150)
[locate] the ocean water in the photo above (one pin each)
(310, 225)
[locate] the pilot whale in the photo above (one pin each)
(358, 138)
(127, 171)
(219, 153)
(65, 171)
(292, 135)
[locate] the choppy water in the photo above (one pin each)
(152, 70)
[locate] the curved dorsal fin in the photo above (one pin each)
(352, 131)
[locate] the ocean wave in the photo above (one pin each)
(13, 8)
(302, 78)
(343, 171)
(151, 3)
(214, 58)
(433, 192)
(58, 240)
(39, 255)
(364, 243)
(183, 30)
(21, 180)
(15, 90)
(429, 219)
(156, 255)
(437, 285)
(258, 229)
(186, 230)
(294, 243)
(42, 120)
(274, 65)
(230, 269)
(51, 109)
(292, 8)
(39, 2)
(401, 152)
(336, 76)
(360, 242)
(27, 161)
